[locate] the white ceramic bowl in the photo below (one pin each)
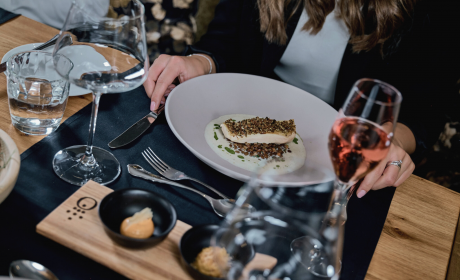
(9, 172)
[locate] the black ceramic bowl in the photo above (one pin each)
(119, 205)
(198, 238)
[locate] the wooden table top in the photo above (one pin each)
(419, 232)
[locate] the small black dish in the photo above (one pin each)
(119, 205)
(198, 238)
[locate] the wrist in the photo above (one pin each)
(206, 62)
(404, 138)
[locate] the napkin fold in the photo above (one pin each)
(6, 16)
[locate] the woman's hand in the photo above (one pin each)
(390, 175)
(166, 69)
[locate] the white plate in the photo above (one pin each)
(193, 104)
(75, 57)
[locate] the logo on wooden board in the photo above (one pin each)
(83, 204)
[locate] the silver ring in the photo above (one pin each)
(395, 163)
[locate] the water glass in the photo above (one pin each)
(37, 94)
(291, 234)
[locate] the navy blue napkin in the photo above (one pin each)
(6, 16)
(39, 191)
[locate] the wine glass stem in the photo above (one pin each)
(346, 190)
(88, 159)
(341, 195)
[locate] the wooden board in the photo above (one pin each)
(416, 240)
(18, 32)
(84, 233)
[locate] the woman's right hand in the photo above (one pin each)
(165, 69)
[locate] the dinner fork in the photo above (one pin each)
(171, 173)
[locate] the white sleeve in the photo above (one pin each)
(51, 12)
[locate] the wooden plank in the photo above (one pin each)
(416, 240)
(454, 265)
(18, 32)
(86, 236)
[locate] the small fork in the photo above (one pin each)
(171, 173)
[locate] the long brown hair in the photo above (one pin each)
(370, 22)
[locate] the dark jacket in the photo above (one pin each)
(421, 60)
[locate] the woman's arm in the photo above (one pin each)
(217, 45)
(221, 38)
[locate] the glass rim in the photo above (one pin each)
(284, 209)
(9, 62)
(141, 15)
(376, 81)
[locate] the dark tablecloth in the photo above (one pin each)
(38, 191)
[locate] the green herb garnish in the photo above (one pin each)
(220, 146)
(230, 150)
(240, 156)
(295, 140)
(215, 136)
(277, 166)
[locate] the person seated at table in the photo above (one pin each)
(323, 47)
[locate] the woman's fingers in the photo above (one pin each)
(370, 179)
(406, 174)
(155, 70)
(388, 175)
(165, 70)
(392, 173)
(169, 89)
(174, 68)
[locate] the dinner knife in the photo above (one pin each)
(136, 130)
(43, 46)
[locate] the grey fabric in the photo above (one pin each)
(312, 61)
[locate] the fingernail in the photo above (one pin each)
(162, 102)
(152, 106)
(361, 193)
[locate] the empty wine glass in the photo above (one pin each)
(283, 214)
(105, 40)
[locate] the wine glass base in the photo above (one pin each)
(310, 253)
(67, 165)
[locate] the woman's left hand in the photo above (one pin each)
(385, 175)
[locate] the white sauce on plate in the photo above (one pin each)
(288, 163)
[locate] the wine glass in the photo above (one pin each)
(359, 140)
(362, 133)
(106, 42)
(283, 214)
